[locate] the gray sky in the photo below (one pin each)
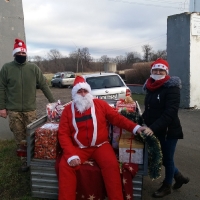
(105, 27)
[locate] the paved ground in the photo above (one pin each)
(187, 159)
(62, 94)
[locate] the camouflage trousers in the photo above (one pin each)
(18, 122)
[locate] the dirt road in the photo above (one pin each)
(63, 94)
(187, 157)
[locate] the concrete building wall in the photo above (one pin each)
(11, 27)
(183, 55)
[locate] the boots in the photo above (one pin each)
(164, 190)
(180, 180)
(23, 168)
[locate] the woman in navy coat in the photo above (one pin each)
(161, 116)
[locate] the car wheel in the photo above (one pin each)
(52, 85)
(60, 85)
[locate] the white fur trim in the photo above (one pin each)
(19, 49)
(79, 86)
(75, 127)
(93, 113)
(160, 66)
(72, 158)
(94, 119)
(135, 129)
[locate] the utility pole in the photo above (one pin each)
(77, 61)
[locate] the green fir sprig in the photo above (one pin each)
(154, 155)
(153, 144)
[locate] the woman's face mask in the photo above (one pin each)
(157, 76)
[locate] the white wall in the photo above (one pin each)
(195, 62)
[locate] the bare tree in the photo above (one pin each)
(121, 62)
(75, 56)
(147, 49)
(104, 59)
(85, 59)
(159, 54)
(55, 57)
(82, 58)
(39, 61)
(132, 57)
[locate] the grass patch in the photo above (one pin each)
(48, 77)
(13, 185)
(139, 98)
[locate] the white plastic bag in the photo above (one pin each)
(54, 111)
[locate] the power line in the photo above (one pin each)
(132, 46)
(165, 1)
(182, 5)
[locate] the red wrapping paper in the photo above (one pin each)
(128, 172)
(46, 141)
(122, 105)
(90, 184)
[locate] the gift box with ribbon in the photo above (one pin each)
(131, 151)
(117, 134)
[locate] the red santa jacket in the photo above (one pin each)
(89, 128)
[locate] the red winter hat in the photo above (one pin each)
(160, 64)
(19, 46)
(80, 83)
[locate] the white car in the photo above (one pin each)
(107, 86)
(63, 79)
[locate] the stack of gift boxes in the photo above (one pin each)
(130, 150)
(46, 142)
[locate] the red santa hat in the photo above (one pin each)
(19, 46)
(80, 83)
(160, 64)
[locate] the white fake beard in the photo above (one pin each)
(157, 77)
(83, 103)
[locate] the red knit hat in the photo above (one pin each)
(80, 83)
(19, 46)
(160, 64)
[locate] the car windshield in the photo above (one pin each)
(101, 82)
(69, 75)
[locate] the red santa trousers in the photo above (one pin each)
(106, 160)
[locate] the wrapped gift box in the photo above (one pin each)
(54, 111)
(135, 149)
(126, 134)
(116, 136)
(46, 141)
(122, 105)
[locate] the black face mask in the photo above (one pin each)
(20, 59)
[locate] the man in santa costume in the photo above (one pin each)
(83, 135)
